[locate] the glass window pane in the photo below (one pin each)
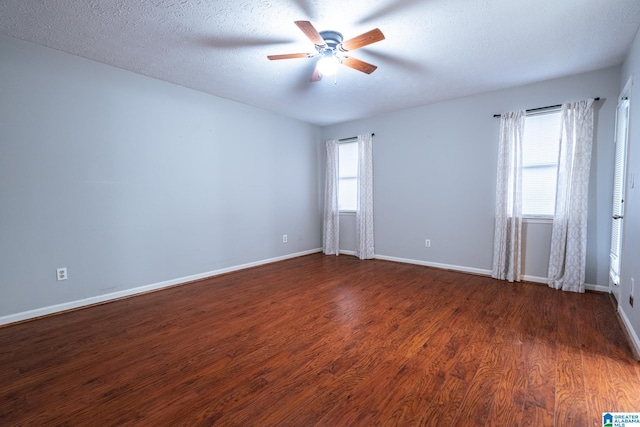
(541, 139)
(347, 194)
(539, 190)
(348, 159)
(348, 173)
(540, 151)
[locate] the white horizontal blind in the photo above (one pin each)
(540, 151)
(348, 176)
(618, 187)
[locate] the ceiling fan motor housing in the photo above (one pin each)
(332, 40)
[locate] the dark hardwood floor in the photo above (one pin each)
(324, 340)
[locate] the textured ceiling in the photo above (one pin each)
(434, 49)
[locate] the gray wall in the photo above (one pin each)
(435, 171)
(630, 267)
(129, 181)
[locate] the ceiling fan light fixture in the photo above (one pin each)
(328, 64)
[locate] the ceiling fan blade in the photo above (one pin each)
(310, 31)
(359, 65)
(289, 56)
(357, 42)
(316, 76)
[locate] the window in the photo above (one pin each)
(348, 176)
(540, 150)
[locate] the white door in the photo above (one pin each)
(617, 220)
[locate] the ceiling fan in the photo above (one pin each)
(333, 50)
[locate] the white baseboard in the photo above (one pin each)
(480, 271)
(534, 279)
(344, 252)
(597, 288)
(436, 265)
(71, 305)
(587, 286)
(635, 340)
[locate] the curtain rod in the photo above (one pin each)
(352, 137)
(544, 108)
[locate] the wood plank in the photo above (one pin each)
(449, 399)
(508, 403)
(571, 401)
(601, 397)
(539, 324)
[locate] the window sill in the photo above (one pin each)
(347, 212)
(538, 219)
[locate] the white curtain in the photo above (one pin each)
(507, 239)
(364, 212)
(331, 228)
(569, 233)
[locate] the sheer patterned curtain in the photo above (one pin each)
(567, 261)
(364, 212)
(331, 227)
(507, 239)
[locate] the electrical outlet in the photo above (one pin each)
(284, 238)
(61, 273)
(427, 243)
